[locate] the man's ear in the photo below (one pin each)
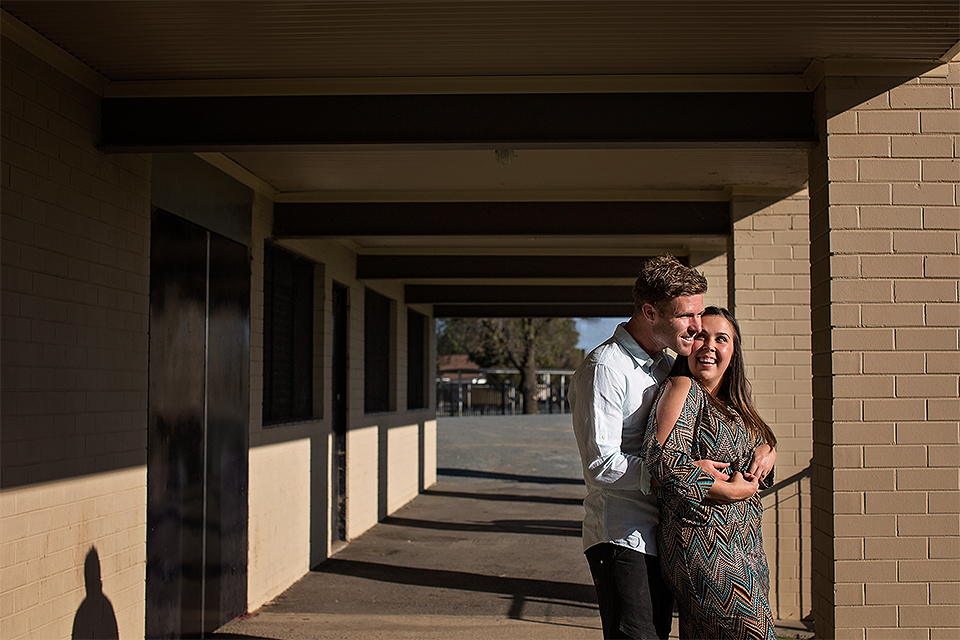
(649, 312)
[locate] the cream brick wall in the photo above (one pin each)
(770, 268)
(75, 286)
(885, 267)
(279, 531)
(403, 465)
(377, 457)
(712, 262)
(289, 528)
(47, 532)
(363, 446)
(430, 452)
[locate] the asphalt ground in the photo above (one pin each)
(493, 550)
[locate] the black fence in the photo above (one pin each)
(481, 396)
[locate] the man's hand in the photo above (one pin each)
(764, 457)
(714, 468)
(740, 487)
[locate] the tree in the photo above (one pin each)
(526, 344)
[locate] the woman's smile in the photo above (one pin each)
(712, 349)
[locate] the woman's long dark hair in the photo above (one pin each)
(734, 388)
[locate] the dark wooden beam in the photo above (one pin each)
(222, 123)
(575, 310)
(346, 219)
(407, 267)
(517, 294)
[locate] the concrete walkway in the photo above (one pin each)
(491, 551)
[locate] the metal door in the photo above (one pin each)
(198, 435)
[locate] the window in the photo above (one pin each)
(376, 353)
(416, 360)
(287, 337)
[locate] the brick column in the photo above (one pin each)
(770, 297)
(885, 316)
(711, 261)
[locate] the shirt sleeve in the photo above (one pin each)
(672, 464)
(598, 424)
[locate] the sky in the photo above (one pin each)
(593, 331)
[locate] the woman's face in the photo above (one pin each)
(712, 351)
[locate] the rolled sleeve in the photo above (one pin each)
(599, 423)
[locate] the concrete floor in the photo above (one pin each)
(491, 551)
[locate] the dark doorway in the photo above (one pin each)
(339, 410)
(198, 434)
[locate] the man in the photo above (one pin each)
(610, 395)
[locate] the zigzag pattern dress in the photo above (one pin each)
(711, 554)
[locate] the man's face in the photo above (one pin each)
(678, 324)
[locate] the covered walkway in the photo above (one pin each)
(491, 551)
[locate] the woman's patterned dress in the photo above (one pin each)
(711, 554)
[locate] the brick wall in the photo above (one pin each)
(363, 475)
(712, 262)
(75, 287)
(403, 465)
(885, 268)
(280, 517)
(281, 462)
(770, 266)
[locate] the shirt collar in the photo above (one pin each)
(641, 357)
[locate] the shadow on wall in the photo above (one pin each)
(95, 617)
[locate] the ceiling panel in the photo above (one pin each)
(170, 48)
(170, 39)
(335, 174)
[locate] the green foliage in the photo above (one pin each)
(512, 342)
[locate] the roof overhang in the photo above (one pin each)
(506, 144)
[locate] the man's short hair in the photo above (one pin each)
(662, 279)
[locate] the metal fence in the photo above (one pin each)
(496, 392)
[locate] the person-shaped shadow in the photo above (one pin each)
(95, 619)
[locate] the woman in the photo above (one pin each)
(710, 547)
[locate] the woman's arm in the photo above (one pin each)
(669, 442)
(670, 406)
(668, 412)
(712, 483)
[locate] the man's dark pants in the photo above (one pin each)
(634, 599)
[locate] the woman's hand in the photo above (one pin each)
(739, 487)
(764, 457)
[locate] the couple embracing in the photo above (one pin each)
(674, 455)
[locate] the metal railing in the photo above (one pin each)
(496, 392)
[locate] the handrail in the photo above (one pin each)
(803, 473)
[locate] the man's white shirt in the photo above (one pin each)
(610, 395)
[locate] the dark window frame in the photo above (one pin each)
(288, 338)
(416, 360)
(378, 374)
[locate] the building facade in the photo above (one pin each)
(211, 382)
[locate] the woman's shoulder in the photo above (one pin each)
(682, 387)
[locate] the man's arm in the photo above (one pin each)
(764, 458)
(598, 424)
